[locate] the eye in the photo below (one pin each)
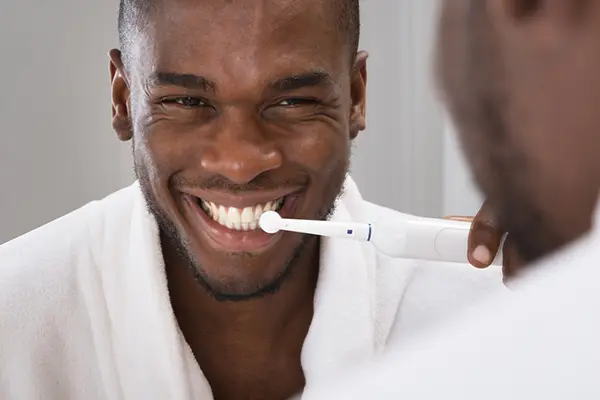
(187, 102)
(296, 102)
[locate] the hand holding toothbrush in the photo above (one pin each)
(484, 242)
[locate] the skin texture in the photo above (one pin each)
(234, 100)
(521, 81)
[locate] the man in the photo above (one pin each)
(167, 289)
(521, 80)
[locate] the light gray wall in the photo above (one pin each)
(398, 160)
(58, 151)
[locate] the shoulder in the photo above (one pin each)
(66, 236)
(428, 292)
(51, 292)
(47, 268)
(440, 291)
(412, 295)
(368, 211)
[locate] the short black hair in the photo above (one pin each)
(134, 13)
(348, 22)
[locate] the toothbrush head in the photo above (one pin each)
(270, 222)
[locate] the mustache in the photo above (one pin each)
(221, 183)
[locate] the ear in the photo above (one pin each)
(120, 92)
(358, 92)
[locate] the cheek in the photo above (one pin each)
(148, 159)
(159, 146)
(156, 161)
(320, 153)
(145, 163)
(163, 150)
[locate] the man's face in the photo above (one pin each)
(237, 108)
(521, 80)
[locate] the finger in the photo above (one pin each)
(511, 261)
(485, 237)
(459, 218)
(479, 256)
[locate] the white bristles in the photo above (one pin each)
(270, 222)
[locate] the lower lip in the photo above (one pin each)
(232, 240)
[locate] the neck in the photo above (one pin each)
(269, 319)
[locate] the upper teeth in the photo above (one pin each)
(239, 218)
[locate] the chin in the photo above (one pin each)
(253, 269)
(232, 257)
(242, 275)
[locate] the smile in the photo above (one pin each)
(230, 221)
(239, 219)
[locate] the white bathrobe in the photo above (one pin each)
(85, 312)
(539, 342)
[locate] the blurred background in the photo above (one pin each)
(58, 150)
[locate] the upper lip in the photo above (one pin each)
(240, 200)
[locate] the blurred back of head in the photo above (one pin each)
(522, 81)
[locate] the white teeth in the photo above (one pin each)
(222, 215)
(258, 210)
(239, 219)
(267, 207)
(233, 219)
(247, 215)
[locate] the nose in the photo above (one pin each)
(241, 152)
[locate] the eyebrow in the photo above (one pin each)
(188, 81)
(295, 82)
(197, 82)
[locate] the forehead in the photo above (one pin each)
(242, 38)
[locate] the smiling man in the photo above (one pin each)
(167, 289)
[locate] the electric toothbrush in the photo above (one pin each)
(426, 239)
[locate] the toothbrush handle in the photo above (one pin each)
(426, 239)
(357, 231)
